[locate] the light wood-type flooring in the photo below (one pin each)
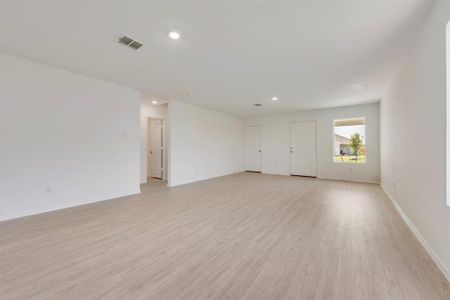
(243, 236)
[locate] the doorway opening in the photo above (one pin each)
(156, 150)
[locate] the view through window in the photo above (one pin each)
(350, 141)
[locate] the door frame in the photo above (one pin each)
(163, 148)
(260, 148)
(315, 148)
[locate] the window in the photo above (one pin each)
(350, 141)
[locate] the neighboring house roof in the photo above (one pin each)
(341, 139)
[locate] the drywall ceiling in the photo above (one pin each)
(231, 54)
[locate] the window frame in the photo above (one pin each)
(333, 143)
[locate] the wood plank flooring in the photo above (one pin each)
(244, 236)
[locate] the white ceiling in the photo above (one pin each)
(232, 53)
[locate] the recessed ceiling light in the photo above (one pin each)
(174, 35)
(155, 102)
(274, 98)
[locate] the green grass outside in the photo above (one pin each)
(350, 159)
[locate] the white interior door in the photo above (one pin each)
(253, 148)
(303, 149)
(156, 149)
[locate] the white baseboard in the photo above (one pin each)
(419, 236)
(349, 180)
(44, 211)
(170, 184)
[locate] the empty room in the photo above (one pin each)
(241, 149)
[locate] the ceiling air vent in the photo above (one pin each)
(127, 41)
(135, 45)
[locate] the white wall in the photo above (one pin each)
(413, 153)
(149, 110)
(75, 135)
(276, 142)
(203, 143)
